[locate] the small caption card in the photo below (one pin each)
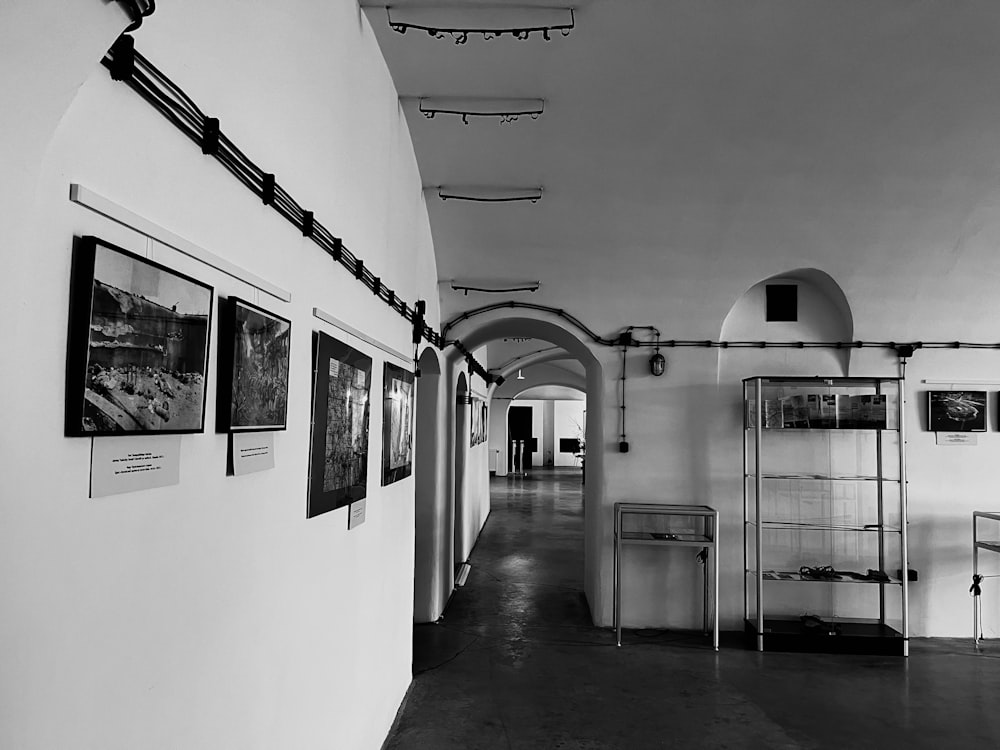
(956, 438)
(356, 516)
(252, 451)
(131, 464)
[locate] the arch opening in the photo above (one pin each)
(492, 327)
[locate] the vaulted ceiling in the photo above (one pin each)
(689, 148)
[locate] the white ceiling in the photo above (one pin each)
(692, 147)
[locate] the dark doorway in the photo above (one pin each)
(519, 439)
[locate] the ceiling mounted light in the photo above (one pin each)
(490, 21)
(472, 286)
(507, 110)
(489, 194)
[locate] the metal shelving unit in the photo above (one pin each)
(825, 514)
(662, 524)
(990, 545)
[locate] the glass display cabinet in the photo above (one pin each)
(665, 525)
(825, 514)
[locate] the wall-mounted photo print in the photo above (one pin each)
(138, 345)
(397, 424)
(253, 368)
(957, 411)
(477, 419)
(338, 461)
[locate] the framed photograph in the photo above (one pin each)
(338, 458)
(477, 420)
(397, 424)
(475, 415)
(253, 368)
(138, 345)
(957, 411)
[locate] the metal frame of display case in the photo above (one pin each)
(992, 545)
(707, 540)
(844, 634)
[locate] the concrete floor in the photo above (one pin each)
(516, 663)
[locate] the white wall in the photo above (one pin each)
(569, 423)
(473, 502)
(209, 614)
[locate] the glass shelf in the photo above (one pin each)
(793, 576)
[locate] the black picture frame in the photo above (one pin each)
(338, 457)
(397, 423)
(138, 344)
(253, 364)
(477, 422)
(956, 411)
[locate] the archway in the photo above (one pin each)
(547, 374)
(431, 586)
(493, 326)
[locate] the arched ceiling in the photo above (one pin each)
(690, 147)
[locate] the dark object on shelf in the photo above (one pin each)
(813, 625)
(819, 573)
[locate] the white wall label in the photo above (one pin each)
(130, 464)
(356, 517)
(956, 438)
(252, 451)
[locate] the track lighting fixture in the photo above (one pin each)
(491, 22)
(489, 194)
(508, 110)
(471, 286)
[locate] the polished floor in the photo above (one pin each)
(515, 663)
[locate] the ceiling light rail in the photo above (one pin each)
(491, 22)
(466, 287)
(489, 194)
(508, 110)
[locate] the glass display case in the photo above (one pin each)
(825, 514)
(661, 524)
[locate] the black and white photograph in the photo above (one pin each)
(254, 347)
(138, 345)
(956, 411)
(397, 423)
(338, 466)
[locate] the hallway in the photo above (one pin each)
(516, 663)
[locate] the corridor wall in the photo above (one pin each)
(210, 613)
